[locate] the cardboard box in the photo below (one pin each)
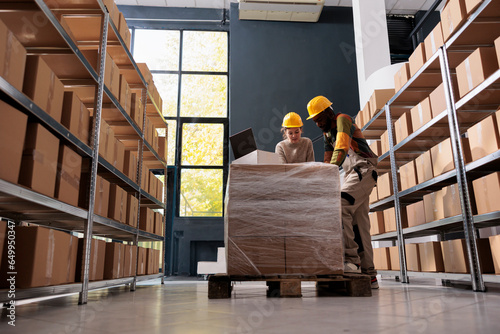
(437, 101)
(431, 256)
(471, 5)
(43, 87)
(69, 169)
(255, 255)
(130, 263)
(497, 48)
(124, 31)
(125, 95)
(117, 209)
(130, 165)
(476, 68)
(132, 210)
(402, 127)
(390, 219)
(451, 201)
(12, 58)
(421, 114)
(314, 255)
(114, 261)
(484, 252)
(378, 100)
(163, 148)
(433, 41)
(65, 253)
(454, 256)
(76, 117)
(159, 190)
(358, 120)
(141, 261)
(373, 195)
(146, 221)
(417, 59)
(484, 137)
(453, 16)
(3, 249)
(433, 206)
(442, 158)
(394, 258)
(412, 257)
(118, 160)
(423, 165)
(384, 142)
(495, 252)
(111, 140)
(402, 76)
(376, 147)
(376, 222)
(158, 224)
(384, 186)
(151, 263)
(39, 166)
(112, 76)
(114, 13)
(381, 258)
(408, 175)
(152, 184)
(487, 193)
(416, 213)
(146, 74)
(366, 114)
(13, 125)
(97, 259)
(101, 203)
(137, 109)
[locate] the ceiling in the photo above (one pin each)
(394, 7)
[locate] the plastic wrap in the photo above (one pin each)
(283, 219)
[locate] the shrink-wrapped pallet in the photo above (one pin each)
(283, 219)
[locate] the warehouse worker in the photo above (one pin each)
(345, 146)
(294, 148)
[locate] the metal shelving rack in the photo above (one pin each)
(451, 123)
(18, 203)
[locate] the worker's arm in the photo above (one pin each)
(343, 140)
(279, 151)
(327, 157)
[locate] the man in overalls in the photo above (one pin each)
(346, 146)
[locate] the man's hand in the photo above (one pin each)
(328, 157)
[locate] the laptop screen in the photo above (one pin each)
(243, 143)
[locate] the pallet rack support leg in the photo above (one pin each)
(468, 218)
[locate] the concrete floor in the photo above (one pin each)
(183, 307)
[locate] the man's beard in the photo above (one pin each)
(327, 126)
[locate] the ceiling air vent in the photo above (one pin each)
(281, 10)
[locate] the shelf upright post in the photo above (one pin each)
(83, 297)
(397, 204)
(164, 222)
(467, 216)
(140, 157)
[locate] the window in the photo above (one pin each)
(190, 70)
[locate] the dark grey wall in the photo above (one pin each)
(277, 67)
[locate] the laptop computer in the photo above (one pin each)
(243, 143)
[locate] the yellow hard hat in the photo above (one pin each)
(292, 120)
(317, 105)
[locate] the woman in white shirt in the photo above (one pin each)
(294, 148)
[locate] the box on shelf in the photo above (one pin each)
(433, 206)
(43, 87)
(437, 100)
(117, 208)
(454, 256)
(412, 257)
(152, 189)
(484, 137)
(130, 165)
(471, 5)
(495, 252)
(373, 195)
(13, 124)
(358, 120)
(130, 261)
(160, 190)
(125, 95)
(421, 114)
(132, 210)
(487, 193)
(101, 204)
(403, 127)
(3, 249)
(423, 165)
(384, 186)
(433, 41)
(402, 76)
(146, 221)
(378, 100)
(114, 261)
(485, 256)
(394, 258)
(163, 148)
(114, 13)
(141, 261)
(38, 167)
(137, 109)
(452, 17)
(416, 213)
(384, 142)
(476, 68)
(112, 76)
(12, 58)
(76, 117)
(124, 31)
(69, 169)
(97, 259)
(431, 256)
(442, 157)
(381, 258)
(146, 74)
(497, 48)
(417, 59)
(150, 261)
(408, 175)
(390, 219)
(158, 224)
(376, 147)
(65, 253)
(118, 160)
(376, 222)
(451, 201)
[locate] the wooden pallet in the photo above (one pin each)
(354, 285)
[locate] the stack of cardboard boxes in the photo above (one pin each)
(279, 220)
